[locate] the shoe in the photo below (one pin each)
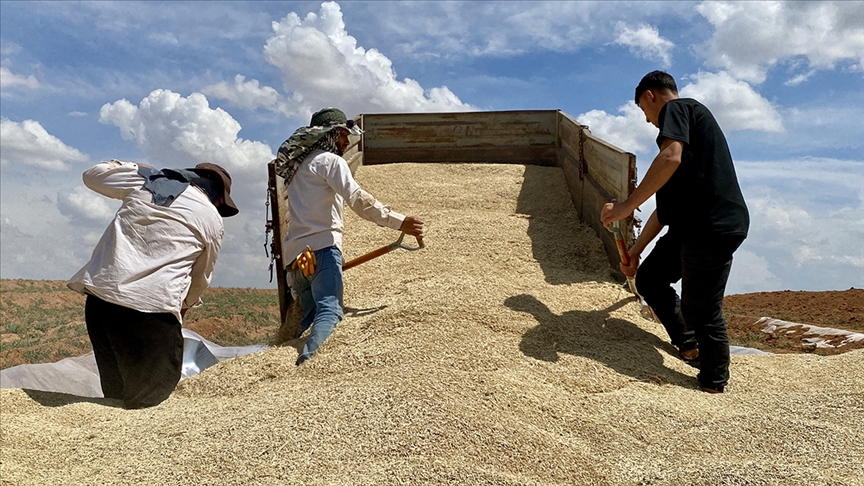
(706, 389)
(690, 356)
(301, 359)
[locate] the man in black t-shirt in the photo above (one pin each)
(699, 199)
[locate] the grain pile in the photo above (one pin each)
(502, 354)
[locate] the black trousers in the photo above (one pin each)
(139, 355)
(696, 318)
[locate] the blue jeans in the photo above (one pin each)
(320, 298)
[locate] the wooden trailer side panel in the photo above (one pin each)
(596, 172)
(570, 157)
(524, 137)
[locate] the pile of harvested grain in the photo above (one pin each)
(501, 354)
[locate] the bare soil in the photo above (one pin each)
(839, 309)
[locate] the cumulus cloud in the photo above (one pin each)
(251, 96)
(82, 204)
(645, 41)
(735, 104)
(170, 129)
(750, 273)
(807, 221)
(29, 143)
(628, 131)
(8, 79)
(324, 66)
(752, 37)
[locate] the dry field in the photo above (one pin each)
(503, 353)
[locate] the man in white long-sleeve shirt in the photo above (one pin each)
(151, 265)
(319, 184)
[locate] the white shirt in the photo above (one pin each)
(316, 195)
(150, 258)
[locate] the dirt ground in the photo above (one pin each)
(839, 309)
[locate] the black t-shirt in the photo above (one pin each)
(703, 195)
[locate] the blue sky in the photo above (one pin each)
(175, 83)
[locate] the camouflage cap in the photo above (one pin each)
(329, 118)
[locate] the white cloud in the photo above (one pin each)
(323, 66)
(9, 48)
(164, 38)
(752, 37)
(750, 273)
(734, 103)
(251, 96)
(455, 29)
(29, 143)
(9, 79)
(177, 131)
(76, 114)
(83, 204)
(628, 131)
(645, 41)
(807, 222)
(800, 78)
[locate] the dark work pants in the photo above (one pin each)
(139, 355)
(702, 264)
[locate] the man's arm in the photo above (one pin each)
(113, 179)
(202, 273)
(661, 170)
(338, 175)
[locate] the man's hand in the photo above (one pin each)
(613, 211)
(412, 226)
(630, 270)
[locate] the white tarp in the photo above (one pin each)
(818, 335)
(79, 376)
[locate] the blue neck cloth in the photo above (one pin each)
(166, 185)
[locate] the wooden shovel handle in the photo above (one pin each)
(622, 252)
(365, 258)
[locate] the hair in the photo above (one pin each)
(656, 80)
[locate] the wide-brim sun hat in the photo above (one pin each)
(227, 208)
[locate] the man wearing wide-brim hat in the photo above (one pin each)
(319, 183)
(151, 265)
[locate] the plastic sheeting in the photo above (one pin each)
(739, 350)
(79, 376)
(818, 336)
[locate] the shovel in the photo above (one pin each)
(646, 311)
(383, 251)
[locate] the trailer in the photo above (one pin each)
(594, 170)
